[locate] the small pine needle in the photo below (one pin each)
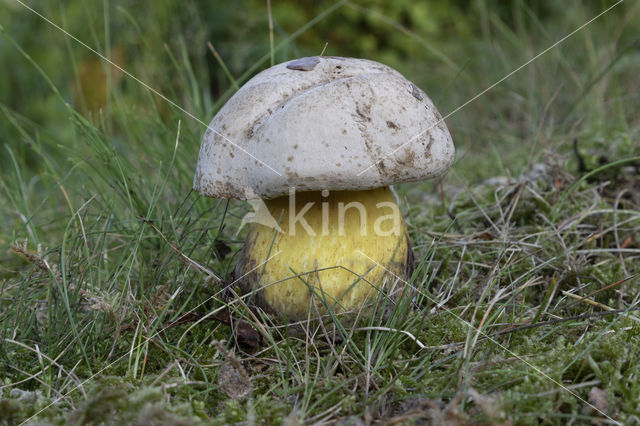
(324, 48)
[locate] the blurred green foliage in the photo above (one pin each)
(164, 43)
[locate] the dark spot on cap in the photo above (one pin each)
(415, 91)
(304, 64)
(392, 125)
(290, 158)
(363, 113)
(407, 159)
(295, 146)
(427, 150)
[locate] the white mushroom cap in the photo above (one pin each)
(322, 123)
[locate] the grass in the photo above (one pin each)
(112, 269)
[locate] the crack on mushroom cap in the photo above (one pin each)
(288, 97)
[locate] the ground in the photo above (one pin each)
(112, 270)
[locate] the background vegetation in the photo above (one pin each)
(527, 250)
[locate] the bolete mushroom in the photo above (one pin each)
(320, 140)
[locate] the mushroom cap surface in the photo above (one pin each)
(321, 123)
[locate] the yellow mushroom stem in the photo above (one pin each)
(343, 247)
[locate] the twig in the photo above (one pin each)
(617, 283)
(587, 301)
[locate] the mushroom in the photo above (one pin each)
(319, 140)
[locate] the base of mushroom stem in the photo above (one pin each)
(325, 251)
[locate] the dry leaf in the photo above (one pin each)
(490, 407)
(246, 335)
(598, 398)
(291, 419)
(430, 412)
(234, 381)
